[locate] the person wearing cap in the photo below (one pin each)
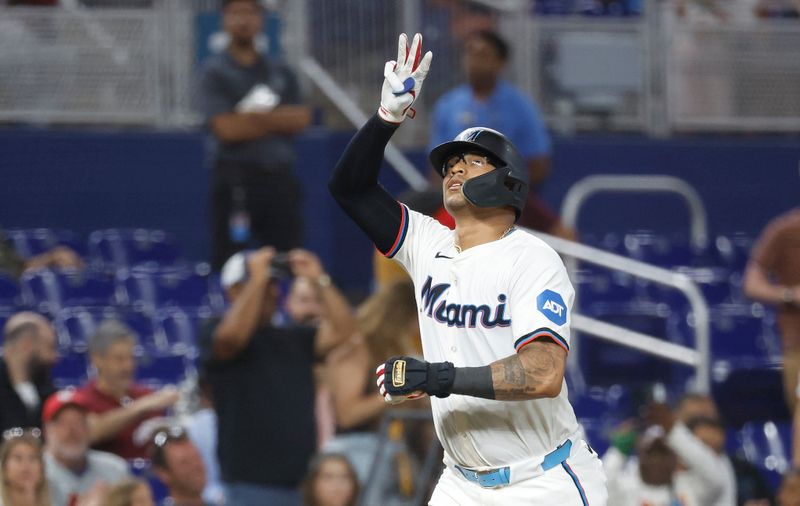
(30, 350)
(73, 469)
(261, 376)
(177, 462)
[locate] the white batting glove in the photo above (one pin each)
(387, 397)
(403, 80)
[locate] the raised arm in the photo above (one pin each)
(354, 183)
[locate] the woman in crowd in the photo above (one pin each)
(331, 481)
(387, 326)
(21, 461)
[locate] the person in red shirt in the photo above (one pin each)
(117, 406)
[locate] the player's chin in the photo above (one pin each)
(454, 201)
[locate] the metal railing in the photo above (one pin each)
(580, 192)
(652, 345)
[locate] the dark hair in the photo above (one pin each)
(314, 468)
(493, 39)
(160, 440)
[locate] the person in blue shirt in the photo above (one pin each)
(488, 100)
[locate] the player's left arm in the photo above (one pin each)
(535, 372)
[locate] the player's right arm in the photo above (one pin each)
(354, 183)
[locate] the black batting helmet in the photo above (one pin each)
(507, 185)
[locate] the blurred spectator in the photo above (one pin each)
(387, 326)
(789, 492)
(331, 481)
(130, 493)
(60, 257)
(72, 469)
(202, 428)
(261, 377)
(694, 405)
(252, 107)
(303, 304)
(488, 100)
(177, 463)
(708, 471)
(28, 354)
(117, 405)
(772, 276)
(649, 478)
(699, 412)
(22, 469)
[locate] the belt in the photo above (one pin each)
(501, 476)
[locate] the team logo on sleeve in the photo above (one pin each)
(552, 306)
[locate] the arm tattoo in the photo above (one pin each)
(533, 373)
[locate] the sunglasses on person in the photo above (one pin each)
(16, 432)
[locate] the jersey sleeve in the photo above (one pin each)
(419, 236)
(541, 300)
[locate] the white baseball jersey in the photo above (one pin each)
(479, 306)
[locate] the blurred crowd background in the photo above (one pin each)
(188, 318)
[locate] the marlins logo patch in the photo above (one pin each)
(552, 306)
(399, 373)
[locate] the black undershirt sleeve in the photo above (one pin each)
(354, 185)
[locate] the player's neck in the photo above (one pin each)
(242, 53)
(473, 231)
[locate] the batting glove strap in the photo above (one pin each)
(405, 375)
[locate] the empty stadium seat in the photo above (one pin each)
(748, 390)
(78, 324)
(48, 291)
(733, 251)
(71, 369)
(118, 248)
(767, 445)
(180, 330)
(9, 292)
(606, 363)
(31, 242)
(146, 291)
(661, 250)
(156, 371)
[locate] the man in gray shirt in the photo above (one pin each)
(251, 105)
(73, 469)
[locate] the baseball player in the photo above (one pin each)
(494, 312)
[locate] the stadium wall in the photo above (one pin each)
(87, 180)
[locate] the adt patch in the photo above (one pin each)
(552, 306)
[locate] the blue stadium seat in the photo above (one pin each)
(146, 291)
(737, 331)
(748, 390)
(606, 363)
(112, 249)
(78, 324)
(733, 251)
(767, 445)
(48, 291)
(9, 292)
(156, 371)
(71, 369)
(180, 330)
(713, 282)
(596, 284)
(31, 242)
(659, 250)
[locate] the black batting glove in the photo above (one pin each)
(403, 376)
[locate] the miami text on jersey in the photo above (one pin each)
(461, 315)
